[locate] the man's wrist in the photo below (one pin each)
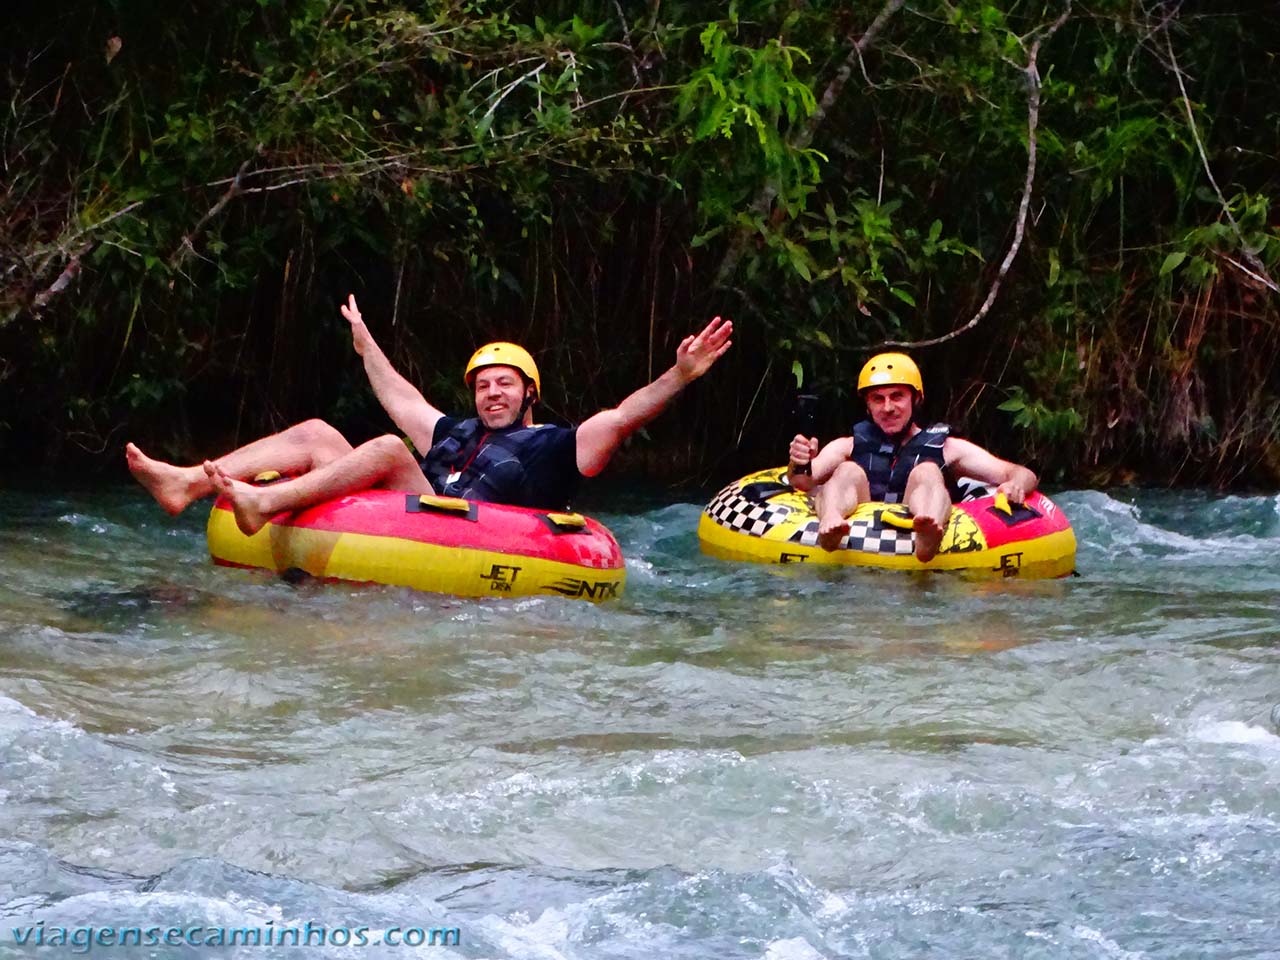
(683, 379)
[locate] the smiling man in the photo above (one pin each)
(890, 458)
(500, 455)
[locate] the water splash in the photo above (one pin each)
(734, 761)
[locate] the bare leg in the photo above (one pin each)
(171, 486)
(383, 462)
(300, 449)
(837, 499)
(927, 498)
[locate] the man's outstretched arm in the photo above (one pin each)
(601, 435)
(404, 403)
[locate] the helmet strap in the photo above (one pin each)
(530, 398)
(911, 420)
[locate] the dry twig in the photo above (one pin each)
(1032, 72)
(1260, 271)
(187, 245)
(64, 278)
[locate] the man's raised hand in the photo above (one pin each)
(696, 354)
(361, 338)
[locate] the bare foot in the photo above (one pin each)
(174, 488)
(928, 537)
(246, 500)
(831, 530)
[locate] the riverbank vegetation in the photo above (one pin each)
(1064, 207)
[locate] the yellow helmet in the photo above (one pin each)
(503, 354)
(890, 369)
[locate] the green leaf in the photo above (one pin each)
(797, 371)
(1013, 405)
(799, 258)
(1055, 267)
(1172, 262)
(902, 295)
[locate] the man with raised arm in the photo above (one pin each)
(500, 455)
(890, 458)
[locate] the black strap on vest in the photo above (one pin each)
(461, 451)
(887, 464)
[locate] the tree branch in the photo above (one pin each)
(70, 247)
(1032, 72)
(801, 140)
(187, 246)
(626, 36)
(64, 279)
(1261, 271)
(66, 243)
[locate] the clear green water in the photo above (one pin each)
(732, 762)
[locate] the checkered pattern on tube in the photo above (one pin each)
(863, 536)
(731, 509)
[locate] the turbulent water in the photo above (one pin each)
(731, 762)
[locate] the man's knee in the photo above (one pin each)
(926, 475)
(850, 472)
(926, 471)
(391, 450)
(317, 433)
(851, 476)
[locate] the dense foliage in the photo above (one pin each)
(190, 189)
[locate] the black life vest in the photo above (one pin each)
(888, 464)
(481, 464)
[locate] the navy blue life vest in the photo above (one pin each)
(492, 466)
(888, 464)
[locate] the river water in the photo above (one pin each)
(731, 762)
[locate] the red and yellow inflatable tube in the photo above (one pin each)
(760, 518)
(437, 544)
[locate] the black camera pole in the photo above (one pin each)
(806, 420)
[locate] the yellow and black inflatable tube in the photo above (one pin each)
(761, 519)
